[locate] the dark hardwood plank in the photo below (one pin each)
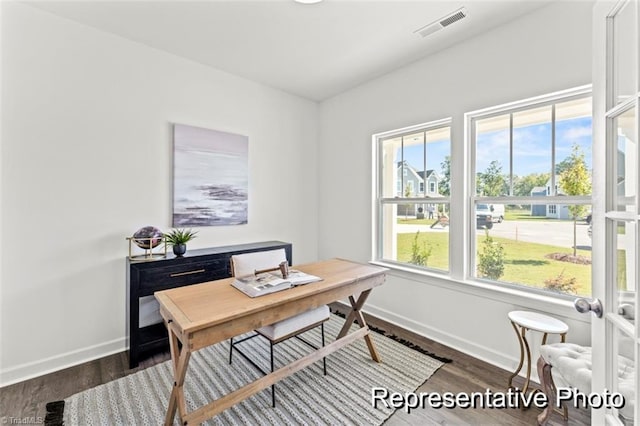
(464, 374)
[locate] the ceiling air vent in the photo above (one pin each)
(442, 22)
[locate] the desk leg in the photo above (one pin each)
(356, 314)
(180, 361)
(219, 405)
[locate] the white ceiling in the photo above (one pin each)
(314, 51)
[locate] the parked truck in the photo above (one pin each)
(496, 211)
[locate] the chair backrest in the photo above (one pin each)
(247, 263)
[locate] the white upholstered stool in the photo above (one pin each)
(526, 320)
(569, 365)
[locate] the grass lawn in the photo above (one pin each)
(438, 241)
(524, 262)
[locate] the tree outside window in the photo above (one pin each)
(575, 180)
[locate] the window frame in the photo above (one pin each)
(472, 198)
(379, 201)
(461, 271)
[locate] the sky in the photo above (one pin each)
(436, 152)
(531, 147)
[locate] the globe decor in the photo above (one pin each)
(148, 239)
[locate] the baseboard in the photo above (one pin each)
(33, 369)
(473, 349)
(40, 367)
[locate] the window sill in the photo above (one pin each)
(524, 299)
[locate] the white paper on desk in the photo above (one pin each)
(268, 282)
(297, 278)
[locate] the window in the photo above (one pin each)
(519, 202)
(518, 152)
(409, 189)
(410, 231)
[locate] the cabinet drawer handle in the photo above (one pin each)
(179, 274)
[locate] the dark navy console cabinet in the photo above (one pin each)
(196, 266)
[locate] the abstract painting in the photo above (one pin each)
(210, 177)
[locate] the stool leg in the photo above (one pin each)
(544, 371)
(515, 373)
(230, 349)
(526, 345)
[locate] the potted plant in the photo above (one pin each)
(178, 238)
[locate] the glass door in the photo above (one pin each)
(615, 337)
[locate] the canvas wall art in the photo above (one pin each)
(210, 177)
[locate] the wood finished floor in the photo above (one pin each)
(464, 374)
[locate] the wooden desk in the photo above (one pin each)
(203, 314)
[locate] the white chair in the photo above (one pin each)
(247, 264)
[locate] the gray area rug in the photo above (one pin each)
(307, 397)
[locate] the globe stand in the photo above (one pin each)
(149, 253)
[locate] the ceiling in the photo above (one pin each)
(313, 51)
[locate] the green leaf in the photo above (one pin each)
(179, 236)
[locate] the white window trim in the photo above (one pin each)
(378, 201)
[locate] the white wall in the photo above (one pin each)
(543, 52)
(87, 160)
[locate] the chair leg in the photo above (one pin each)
(273, 387)
(324, 359)
(230, 349)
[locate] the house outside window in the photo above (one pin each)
(412, 158)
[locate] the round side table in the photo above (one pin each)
(525, 320)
